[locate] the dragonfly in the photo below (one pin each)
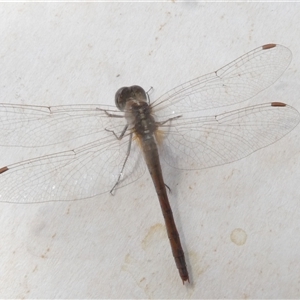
(110, 147)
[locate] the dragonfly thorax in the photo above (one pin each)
(139, 118)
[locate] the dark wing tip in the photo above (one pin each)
(278, 104)
(2, 170)
(268, 46)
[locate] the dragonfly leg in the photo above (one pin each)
(109, 114)
(168, 188)
(125, 161)
(168, 120)
(148, 97)
(121, 135)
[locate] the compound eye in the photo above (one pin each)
(121, 97)
(139, 93)
(125, 94)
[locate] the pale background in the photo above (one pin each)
(117, 247)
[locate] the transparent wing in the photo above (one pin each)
(94, 164)
(240, 80)
(38, 126)
(81, 173)
(204, 142)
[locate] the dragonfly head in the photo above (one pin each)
(125, 94)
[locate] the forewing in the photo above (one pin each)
(238, 81)
(31, 126)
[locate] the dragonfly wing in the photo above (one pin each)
(38, 126)
(81, 173)
(238, 81)
(204, 142)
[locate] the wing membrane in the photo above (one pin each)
(94, 164)
(204, 142)
(77, 174)
(238, 81)
(38, 126)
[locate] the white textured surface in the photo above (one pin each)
(239, 223)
